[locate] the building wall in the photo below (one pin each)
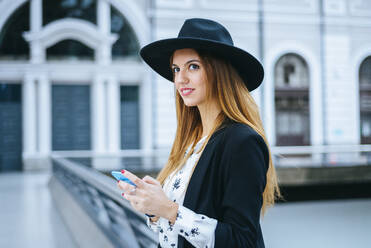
(289, 27)
(333, 53)
(293, 30)
(103, 75)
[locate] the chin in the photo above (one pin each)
(190, 103)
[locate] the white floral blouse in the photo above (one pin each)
(197, 229)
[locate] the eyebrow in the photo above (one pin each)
(190, 61)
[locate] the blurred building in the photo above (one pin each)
(71, 78)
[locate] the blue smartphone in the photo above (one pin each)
(118, 175)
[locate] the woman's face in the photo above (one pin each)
(189, 77)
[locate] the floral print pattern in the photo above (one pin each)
(176, 184)
(196, 228)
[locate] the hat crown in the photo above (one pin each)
(205, 29)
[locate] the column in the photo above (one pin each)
(257, 95)
(29, 116)
(98, 106)
(37, 52)
(36, 15)
(269, 110)
(340, 92)
(145, 118)
(113, 115)
(44, 114)
(147, 126)
(104, 24)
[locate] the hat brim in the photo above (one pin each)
(157, 56)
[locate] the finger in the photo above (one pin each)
(124, 186)
(132, 198)
(131, 201)
(136, 202)
(133, 178)
(150, 180)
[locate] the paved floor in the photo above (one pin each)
(28, 217)
(321, 224)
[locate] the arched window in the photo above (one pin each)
(12, 44)
(69, 50)
(59, 9)
(127, 43)
(365, 100)
(291, 71)
(292, 101)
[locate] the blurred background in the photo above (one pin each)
(76, 101)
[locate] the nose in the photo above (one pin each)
(181, 77)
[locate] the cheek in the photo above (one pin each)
(203, 90)
(176, 87)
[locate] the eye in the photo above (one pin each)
(175, 69)
(194, 66)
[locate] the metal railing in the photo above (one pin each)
(98, 195)
(284, 156)
(321, 156)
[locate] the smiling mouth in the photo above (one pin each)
(186, 91)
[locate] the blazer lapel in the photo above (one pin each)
(193, 190)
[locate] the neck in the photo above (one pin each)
(208, 113)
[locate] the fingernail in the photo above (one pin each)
(122, 171)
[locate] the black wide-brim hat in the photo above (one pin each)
(204, 34)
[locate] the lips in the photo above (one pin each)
(186, 91)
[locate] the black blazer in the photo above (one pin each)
(227, 185)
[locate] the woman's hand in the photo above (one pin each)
(148, 197)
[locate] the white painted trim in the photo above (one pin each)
(29, 116)
(246, 6)
(335, 8)
(223, 16)
(141, 26)
(98, 117)
(70, 28)
(37, 55)
(358, 58)
(291, 19)
(282, 8)
(179, 4)
(347, 21)
(113, 115)
(36, 15)
(136, 17)
(104, 16)
(129, 72)
(44, 115)
(96, 73)
(357, 11)
(146, 119)
(315, 89)
(8, 8)
(103, 54)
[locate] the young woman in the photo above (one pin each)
(219, 178)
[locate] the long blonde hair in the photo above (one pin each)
(226, 86)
